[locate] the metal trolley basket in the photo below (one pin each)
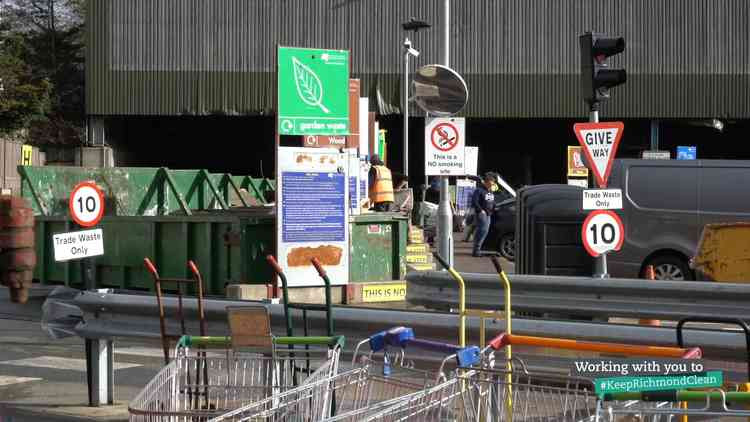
(200, 385)
(371, 386)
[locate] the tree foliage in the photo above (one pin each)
(42, 59)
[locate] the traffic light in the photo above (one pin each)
(596, 77)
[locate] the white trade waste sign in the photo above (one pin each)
(77, 245)
(602, 199)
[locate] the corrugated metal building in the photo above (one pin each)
(684, 58)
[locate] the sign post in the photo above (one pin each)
(86, 207)
(314, 93)
(599, 142)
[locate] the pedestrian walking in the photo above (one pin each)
(483, 203)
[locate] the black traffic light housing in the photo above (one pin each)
(596, 76)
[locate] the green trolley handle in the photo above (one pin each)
(681, 395)
(226, 342)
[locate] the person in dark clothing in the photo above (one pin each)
(483, 202)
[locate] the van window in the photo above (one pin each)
(664, 188)
(723, 189)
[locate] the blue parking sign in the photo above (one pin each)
(687, 153)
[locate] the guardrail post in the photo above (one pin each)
(100, 371)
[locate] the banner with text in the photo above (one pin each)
(313, 214)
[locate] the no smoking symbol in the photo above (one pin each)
(444, 137)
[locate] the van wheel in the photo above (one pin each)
(669, 267)
(507, 247)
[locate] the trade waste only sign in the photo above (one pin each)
(77, 245)
(313, 91)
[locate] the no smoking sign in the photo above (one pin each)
(444, 147)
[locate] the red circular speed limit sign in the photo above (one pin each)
(602, 232)
(86, 204)
(444, 137)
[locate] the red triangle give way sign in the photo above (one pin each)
(599, 142)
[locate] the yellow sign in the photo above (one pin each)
(575, 163)
(26, 153)
(384, 292)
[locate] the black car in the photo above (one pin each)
(502, 235)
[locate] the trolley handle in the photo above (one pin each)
(717, 320)
(717, 396)
(404, 337)
(440, 259)
(194, 269)
(226, 342)
(205, 341)
(496, 263)
(505, 339)
(319, 267)
(332, 341)
(150, 267)
(275, 265)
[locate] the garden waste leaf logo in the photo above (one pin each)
(309, 88)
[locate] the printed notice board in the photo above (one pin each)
(464, 191)
(313, 214)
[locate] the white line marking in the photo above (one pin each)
(54, 362)
(6, 380)
(142, 351)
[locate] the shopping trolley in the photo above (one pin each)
(657, 406)
(379, 379)
(233, 378)
(729, 401)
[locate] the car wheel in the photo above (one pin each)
(507, 247)
(669, 267)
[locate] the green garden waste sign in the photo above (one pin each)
(313, 91)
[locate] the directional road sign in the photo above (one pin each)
(444, 147)
(313, 91)
(86, 204)
(599, 142)
(602, 232)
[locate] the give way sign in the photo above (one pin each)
(599, 142)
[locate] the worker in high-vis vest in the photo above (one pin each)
(381, 185)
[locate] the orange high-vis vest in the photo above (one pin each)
(382, 187)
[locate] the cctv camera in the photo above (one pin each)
(407, 45)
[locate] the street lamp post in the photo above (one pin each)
(445, 214)
(411, 25)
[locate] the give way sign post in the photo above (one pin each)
(599, 142)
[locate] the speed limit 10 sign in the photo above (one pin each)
(602, 232)
(86, 204)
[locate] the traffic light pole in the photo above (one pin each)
(600, 262)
